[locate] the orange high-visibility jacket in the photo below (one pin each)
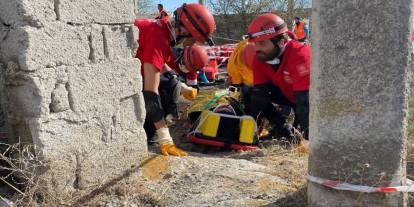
(163, 15)
(300, 30)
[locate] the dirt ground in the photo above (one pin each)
(273, 175)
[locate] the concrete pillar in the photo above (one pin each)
(4, 136)
(359, 99)
(74, 87)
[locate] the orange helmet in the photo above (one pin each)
(266, 26)
(194, 58)
(198, 20)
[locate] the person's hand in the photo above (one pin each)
(190, 94)
(170, 149)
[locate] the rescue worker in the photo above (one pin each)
(157, 41)
(191, 59)
(300, 29)
(240, 71)
(281, 74)
(162, 13)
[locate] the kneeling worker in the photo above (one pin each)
(281, 74)
(157, 39)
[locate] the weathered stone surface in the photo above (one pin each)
(120, 41)
(359, 98)
(60, 101)
(74, 87)
(96, 11)
(53, 45)
(30, 93)
(91, 149)
(34, 13)
(3, 104)
(27, 99)
(96, 44)
(61, 44)
(93, 112)
(4, 30)
(93, 86)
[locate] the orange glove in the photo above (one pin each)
(170, 149)
(190, 94)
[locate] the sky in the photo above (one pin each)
(171, 5)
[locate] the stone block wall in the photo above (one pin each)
(73, 86)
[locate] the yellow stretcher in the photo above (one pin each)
(221, 122)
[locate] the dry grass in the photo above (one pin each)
(20, 165)
(128, 194)
(21, 169)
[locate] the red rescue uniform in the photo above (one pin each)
(292, 75)
(154, 45)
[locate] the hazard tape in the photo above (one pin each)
(338, 185)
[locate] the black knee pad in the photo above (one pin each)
(170, 90)
(153, 106)
(168, 80)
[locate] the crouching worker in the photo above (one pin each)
(187, 62)
(157, 39)
(281, 73)
(240, 71)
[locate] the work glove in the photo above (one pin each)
(190, 94)
(167, 146)
(170, 149)
(196, 87)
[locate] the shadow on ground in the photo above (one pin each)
(295, 199)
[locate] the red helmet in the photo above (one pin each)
(266, 26)
(198, 20)
(195, 58)
(249, 54)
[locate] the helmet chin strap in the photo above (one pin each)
(276, 59)
(178, 51)
(183, 68)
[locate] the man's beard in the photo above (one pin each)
(262, 56)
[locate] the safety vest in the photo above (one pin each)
(300, 30)
(163, 15)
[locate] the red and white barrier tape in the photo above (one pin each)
(360, 188)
